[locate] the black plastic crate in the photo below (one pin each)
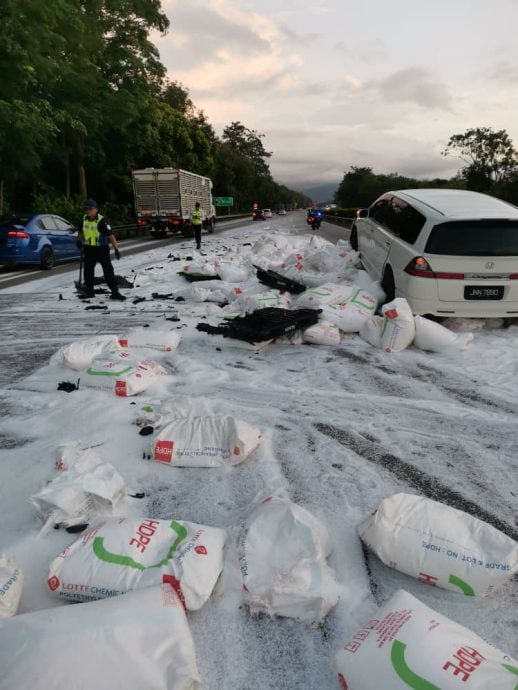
(264, 324)
(278, 281)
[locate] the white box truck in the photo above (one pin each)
(165, 197)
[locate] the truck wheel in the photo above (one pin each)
(47, 258)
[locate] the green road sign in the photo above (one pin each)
(223, 201)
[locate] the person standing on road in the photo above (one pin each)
(94, 238)
(197, 222)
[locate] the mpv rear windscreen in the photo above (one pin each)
(474, 238)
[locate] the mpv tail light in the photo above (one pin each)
(19, 234)
(421, 268)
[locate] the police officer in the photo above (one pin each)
(94, 236)
(197, 222)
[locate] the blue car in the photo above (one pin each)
(37, 238)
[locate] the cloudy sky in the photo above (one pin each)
(335, 83)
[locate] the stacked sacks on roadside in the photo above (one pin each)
(344, 308)
(262, 300)
(281, 556)
(406, 644)
(398, 328)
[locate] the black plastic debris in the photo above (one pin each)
(146, 431)
(278, 281)
(264, 324)
(60, 297)
(157, 295)
(68, 386)
(75, 529)
(193, 277)
(138, 299)
(95, 306)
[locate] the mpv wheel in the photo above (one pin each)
(47, 258)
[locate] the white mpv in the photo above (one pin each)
(449, 252)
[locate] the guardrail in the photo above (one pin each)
(339, 220)
(125, 232)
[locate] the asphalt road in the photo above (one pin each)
(30, 333)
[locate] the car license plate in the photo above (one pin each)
(483, 292)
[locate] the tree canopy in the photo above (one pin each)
(87, 100)
(490, 156)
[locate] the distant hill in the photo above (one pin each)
(320, 193)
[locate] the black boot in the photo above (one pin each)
(117, 296)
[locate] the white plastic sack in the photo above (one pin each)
(232, 273)
(408, 645)
(87, 489)
(137, 641)
(325, 294)
(347, 318)
(398, 328)
(370, 330)
(434, 337)
(78, 355)
(205, 441)
(440, 545)
(262, 300)
(11, 585)
(123, 554)
(322, 333)
(122, 372)
(281, 553)
(163, 341)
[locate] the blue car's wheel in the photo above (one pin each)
(47, 258)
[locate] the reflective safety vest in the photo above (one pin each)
(196, 217)
(91, 234)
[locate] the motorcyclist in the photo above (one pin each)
(314, 218)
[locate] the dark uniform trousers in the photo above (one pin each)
(92, 256)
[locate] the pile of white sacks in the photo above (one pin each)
(335, 283)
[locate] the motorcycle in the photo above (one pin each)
(314, 219)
